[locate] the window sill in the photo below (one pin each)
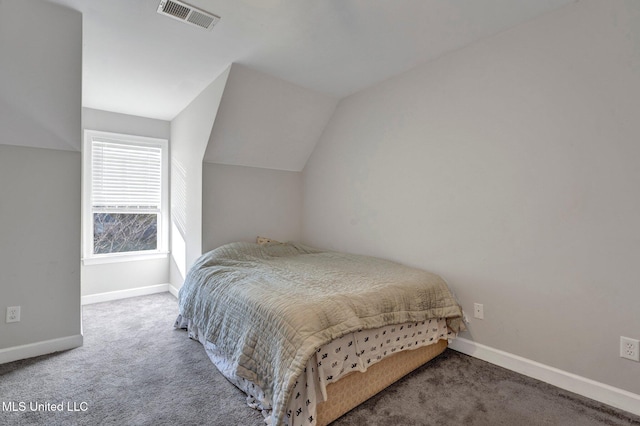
(118, 258)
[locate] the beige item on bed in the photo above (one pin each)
(355, 388)
(265, 240)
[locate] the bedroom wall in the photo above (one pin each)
(190, 133)
(266, 122)
(244, 202)
(40, 160)
(263, 134)
(124, 276)
(510, 167)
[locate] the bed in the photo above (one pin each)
(308, 334)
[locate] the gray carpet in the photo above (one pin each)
(135, 369)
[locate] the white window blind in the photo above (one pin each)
(125, 195)
(126, 177)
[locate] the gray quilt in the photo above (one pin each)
(268, 307)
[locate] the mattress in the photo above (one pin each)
(262, 312)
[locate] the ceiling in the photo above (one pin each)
(138, 62)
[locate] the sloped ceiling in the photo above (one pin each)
(40, 70)
(138, 62)
(266, 122)
(293, 59)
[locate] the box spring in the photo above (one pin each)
(355, 388)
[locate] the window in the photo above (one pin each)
(125, 197)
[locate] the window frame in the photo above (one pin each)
(89, 257)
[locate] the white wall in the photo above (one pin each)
(190, 133)
(510, 167)
(39, 243)
(35, 95)
(263, 134)
(121, 276)
(267, 122)
(40, 139)
(241, 203)
(107, 121)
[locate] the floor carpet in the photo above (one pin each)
(135, 369)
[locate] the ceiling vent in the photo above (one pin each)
(188, 14)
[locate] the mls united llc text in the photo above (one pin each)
(23, 406)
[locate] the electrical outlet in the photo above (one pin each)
(630, 348)
(478, 310)
(13, 314)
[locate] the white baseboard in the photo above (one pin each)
(56, 345)
(40, 348)
(123, 294)
(173, 291)
(601, 392)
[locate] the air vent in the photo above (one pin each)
(188, 14)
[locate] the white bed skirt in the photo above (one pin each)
(351, 352)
